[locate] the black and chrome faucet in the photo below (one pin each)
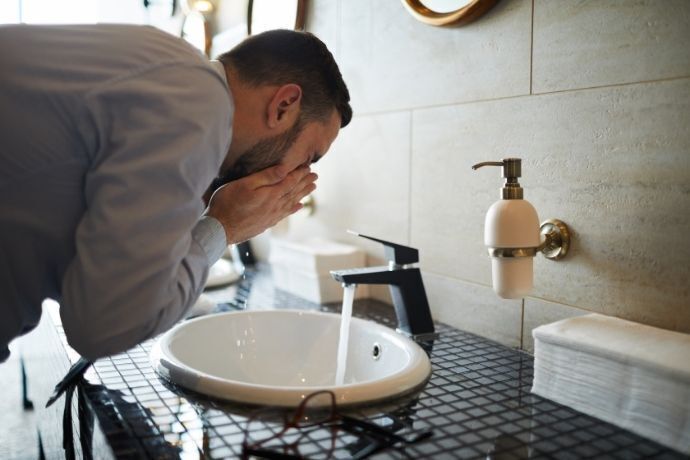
(404, 279)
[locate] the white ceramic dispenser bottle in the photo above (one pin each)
(511, 232)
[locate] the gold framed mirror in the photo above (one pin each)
(447, 12)
(265, 15)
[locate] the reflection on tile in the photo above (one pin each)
(392, 61)
(586, 44)
(538, 312)
(612, 163)
(474, 308)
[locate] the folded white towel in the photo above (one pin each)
(632, 375)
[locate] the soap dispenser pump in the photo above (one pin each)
(511, 232)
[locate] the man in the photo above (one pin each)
(109, 138)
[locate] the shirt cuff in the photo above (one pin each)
(210, 235)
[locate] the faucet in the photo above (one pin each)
(403, 277)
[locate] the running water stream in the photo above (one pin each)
(345, 315)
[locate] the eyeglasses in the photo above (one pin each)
(315, 420)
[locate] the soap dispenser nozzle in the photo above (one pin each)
(511, 170)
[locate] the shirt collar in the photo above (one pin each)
(220, 68)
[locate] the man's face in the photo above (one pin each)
(312, 143)
(302, 144)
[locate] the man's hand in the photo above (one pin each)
(248, 206)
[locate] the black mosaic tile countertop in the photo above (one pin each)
(477, 403)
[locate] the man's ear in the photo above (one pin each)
(284, 106)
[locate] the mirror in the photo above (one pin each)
(263, 15)
(447, 12)
(445, 6)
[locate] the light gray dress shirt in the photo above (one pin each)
(109, 135)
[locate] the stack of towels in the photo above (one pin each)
(628, 374)
(303, 267)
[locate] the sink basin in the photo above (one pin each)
(276, 357)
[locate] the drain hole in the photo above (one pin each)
(376, 352)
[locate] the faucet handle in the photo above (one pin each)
(396, 253)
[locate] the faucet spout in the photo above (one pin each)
(404, 280)
(408, 293)
(369, 275)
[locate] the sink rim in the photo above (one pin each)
(407, 380)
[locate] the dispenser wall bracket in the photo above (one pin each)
(556, 239)
(555, 245)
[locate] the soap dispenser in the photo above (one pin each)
(512, 234)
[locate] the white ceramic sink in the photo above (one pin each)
(276, 357)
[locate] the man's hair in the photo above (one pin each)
(279, 57)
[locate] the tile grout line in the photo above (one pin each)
(480, 284)
(531, 53)
(522, 324)
(613, 85)
(518, 96)
(409, 181)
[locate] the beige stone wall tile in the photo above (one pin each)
(392, 61)
(608, 42)
(474, 308)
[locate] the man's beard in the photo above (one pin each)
(264, 154)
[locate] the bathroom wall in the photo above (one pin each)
(594, 96)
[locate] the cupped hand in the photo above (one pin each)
(248, 206)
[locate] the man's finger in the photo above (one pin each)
(306, 190)
(289, 183)
(296, 208)
(291, 189)
(269, 176)
(297, 195)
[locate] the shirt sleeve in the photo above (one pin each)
(210, 234)
(142, 249)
